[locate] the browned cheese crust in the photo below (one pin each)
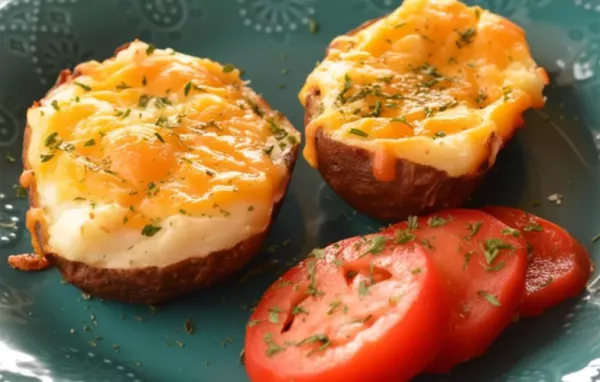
(151, 285)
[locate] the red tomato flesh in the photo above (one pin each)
(363, 309)
(559, 266)
(484, 272)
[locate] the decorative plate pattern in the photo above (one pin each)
(50, 332)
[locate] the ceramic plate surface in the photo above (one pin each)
(49, 332)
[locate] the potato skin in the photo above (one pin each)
(151, 285)
(416, 190)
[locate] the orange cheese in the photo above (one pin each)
(434, 69)
(159, 133)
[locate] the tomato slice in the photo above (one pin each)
(363, 309)
(484, 271)
(559, 266)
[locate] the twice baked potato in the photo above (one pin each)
(153, 173)
(407, 113)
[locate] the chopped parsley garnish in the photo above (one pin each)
(439, 134)
(466, 37)
(436, 221)
(150, 230)
(269, 149)
(255, 108)
(144, 99)
(189, 326)
(508, 231)
(150, 49)
(313, 26)
(378, 244)
(55, 105)
(51, 140)
(298, 310)
(533, 227)
(187, 88)
(363, 288)
(317, 253)
(227, 68)
(495, 268)
(312, 275)
(272, 347)
(144, 80)
(347, 86)
(506, 91)
(481, 97)
(159, 137)
(413, 222)
(83, 86)
(492, 247)
(377, 110)
(90, 142)
(468, 256)
(401, 119)
(417, 271)
(473, 228)
(358, 132)
(122, 85)
(493, 300)
(9, 158)
(333, 306)
(274, 314)
(427, 244)
(46, 157)
(404, 236)
(252, 323)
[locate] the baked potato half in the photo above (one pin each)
(407, 113)
(153, 173)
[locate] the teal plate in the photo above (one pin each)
(50, 332)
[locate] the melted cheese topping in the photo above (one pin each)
(430, 83)
(155, 156)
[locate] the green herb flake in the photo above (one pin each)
(252, 323)
(363, 288)
(312, 275)
(493, 300)
(401, 119)
(298, 310)
(55, 105)
(468, 257)
(413, 222)
(51, 140)
(465, 37)
(358, 132)
(473, 229)
(46, 157)
(404, 236)
(272, 347)
(122, 85)
(189, 326)
(9, 158)
(495, 268)
(533, 226)
(333, 306)
(159, 137)
(439, 134)
(596, 238)
(313, 26)
(378, 244)
(144, 80)
(150, 230)
(83, 86)
(417, 271)
(150, 49)
(228, 68)
(187, 88)
(90, 142)
(317, 253)
(144, 100)
(508, 231)
(492, 249)
(436, 221)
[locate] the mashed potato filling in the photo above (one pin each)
(152, 157)
(429, 83)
